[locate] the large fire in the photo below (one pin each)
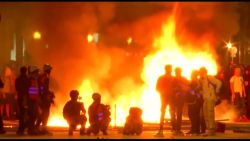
(166, 51)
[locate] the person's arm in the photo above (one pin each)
(217, 83)
(232, 88)
(83, 109)
(243, 89)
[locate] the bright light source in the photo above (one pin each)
(37, 35)
(90, 38)
(229, 45)
(129, 40)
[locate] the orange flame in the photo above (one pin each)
(167, 51)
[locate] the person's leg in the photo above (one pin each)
(205, 113)
(190, 115)
(83, 121)
(211, 126)
(21, 118)
(7, 110)
(2, 131)
(163, 111)
(172, 108)
(179, 115)
(202, 121)
(196, 118)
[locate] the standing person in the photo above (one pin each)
(2, 131)
(164, 87)
(247, 89)
(238, 94)
(180, 85)
(33, 100)
(9, 91)
(22, 86)
(210, 87)
(194, 101)
(72, 113)
(46, 98)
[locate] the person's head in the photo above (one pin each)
(237, 71)
(34, 71)
(23, 70)
(96, 97)
(203, 72)
(47, 68)
(194, 75)
(74, 95)
(168, 69)
(178, 72)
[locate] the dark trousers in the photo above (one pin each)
(176, 109)
(240, 104)
(248, 102)
(43, 118)
(163, 112)
(33, 113)
(196, 117)
(1, 123)
(21, 116)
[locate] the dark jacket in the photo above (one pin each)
(1, 83)
(22, 86)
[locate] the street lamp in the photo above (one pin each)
(229, 45)
(37, 35)
(129, 40)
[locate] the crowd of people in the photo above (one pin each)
(201, 94)
(34, 99)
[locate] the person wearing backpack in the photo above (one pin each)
(238, 94)
(210, 87)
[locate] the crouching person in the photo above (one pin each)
(72, 113)
(99, 116)
(134, 122)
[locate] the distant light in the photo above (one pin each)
(37, 35)
(90, 38)
(229, 45)
(129, 40)
(46, 46)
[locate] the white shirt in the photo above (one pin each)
(237, 84)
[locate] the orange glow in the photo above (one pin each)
(167, 51)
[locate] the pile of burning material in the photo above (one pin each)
(134, 122)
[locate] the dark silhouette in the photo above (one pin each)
(22, 86)
(134, 122)
(181, 87)
(72, 113)
(2, 131)
(46, 97)
(165, 88)
(99, 116)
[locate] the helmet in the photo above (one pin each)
(47, 67)
(33, 69)
(74, 93)
(23, 69)
(96, 96)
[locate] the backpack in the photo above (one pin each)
(218, 99)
